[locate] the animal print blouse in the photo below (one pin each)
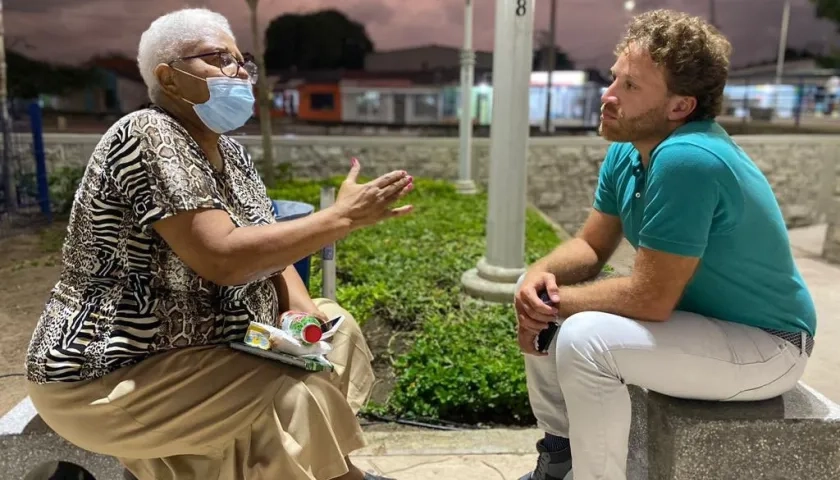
(123, 294)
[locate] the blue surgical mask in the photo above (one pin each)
(231, 104)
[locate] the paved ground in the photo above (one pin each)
(467, 455)
(823, 279)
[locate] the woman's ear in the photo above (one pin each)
(166, 79)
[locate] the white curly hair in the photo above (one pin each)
(168, 38)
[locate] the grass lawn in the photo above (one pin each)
(438, 354)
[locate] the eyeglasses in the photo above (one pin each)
(228, 64)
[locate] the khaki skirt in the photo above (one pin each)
(213, 413)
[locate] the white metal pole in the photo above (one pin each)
(328, 252)
(495, 276)
(465, 183)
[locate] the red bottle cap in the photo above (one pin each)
(312, 333)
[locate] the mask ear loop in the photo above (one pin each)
(190, 74)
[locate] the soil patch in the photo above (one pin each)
(29, 268)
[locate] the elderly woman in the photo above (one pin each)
(171, 250)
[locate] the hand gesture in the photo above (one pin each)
(369, 203)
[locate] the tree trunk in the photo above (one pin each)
(263, 100)
(5, 122)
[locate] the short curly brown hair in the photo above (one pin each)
(694, 55)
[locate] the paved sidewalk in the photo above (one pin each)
(823, 279)
(447, 467)
(464, 455)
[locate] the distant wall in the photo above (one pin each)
(562, 171)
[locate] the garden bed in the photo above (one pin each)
(439, 355)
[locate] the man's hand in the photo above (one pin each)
(531, 312)
(527, 342)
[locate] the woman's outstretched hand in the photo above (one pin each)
(366, 204)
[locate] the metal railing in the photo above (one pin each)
(24, 196)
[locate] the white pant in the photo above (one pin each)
(579, 390)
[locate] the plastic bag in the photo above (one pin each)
(281, 341)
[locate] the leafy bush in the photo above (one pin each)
(464, 364)
(63, 183)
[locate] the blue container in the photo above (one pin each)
(285, 210)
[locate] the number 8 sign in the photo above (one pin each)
(521, 7)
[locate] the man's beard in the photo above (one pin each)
(640, 127)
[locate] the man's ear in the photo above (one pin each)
(681, 107)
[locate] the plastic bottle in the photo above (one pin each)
(302, 326)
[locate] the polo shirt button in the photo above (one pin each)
(638, 195)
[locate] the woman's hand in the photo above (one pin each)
(369, 203)
(313, 310)
(321, 316)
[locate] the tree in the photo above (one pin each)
(829, 10)
(322, 40)
(264, 101)
(28, 78)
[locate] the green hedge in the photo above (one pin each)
(464, 364)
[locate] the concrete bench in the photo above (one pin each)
(792, 437)
(30, 450)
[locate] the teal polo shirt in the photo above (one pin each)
(702, 196)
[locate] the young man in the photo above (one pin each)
(715, 308)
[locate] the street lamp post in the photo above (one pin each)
(465, 183)
(552, 58)
(780, 58)
(494, 278)
(712, 14)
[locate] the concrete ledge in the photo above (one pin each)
(794, 436)
(91, 139)
(831, 245)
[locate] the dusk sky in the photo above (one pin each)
(74, 30)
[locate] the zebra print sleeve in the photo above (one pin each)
(159, 170)
(251, 181)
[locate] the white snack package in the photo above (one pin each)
(282, 341)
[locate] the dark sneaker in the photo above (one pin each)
(550, 465)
